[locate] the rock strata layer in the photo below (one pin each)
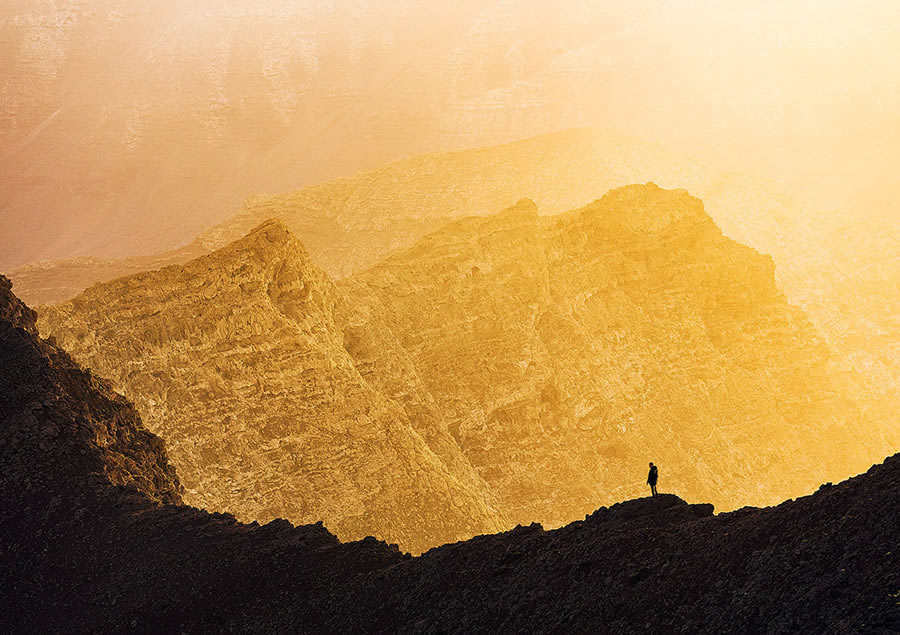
(95, 540)
(567, 352)
(513, 368)
(238, 360)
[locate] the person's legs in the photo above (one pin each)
(653, 489)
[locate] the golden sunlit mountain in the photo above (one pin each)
(357, 316)
(238, 360)
(507, 368)
(839, 268)
(589, 343)
(92, 503)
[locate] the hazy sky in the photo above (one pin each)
(128, 126)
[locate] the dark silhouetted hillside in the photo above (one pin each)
(94, 540)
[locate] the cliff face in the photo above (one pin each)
(510, 368)
(95, 537)
(839, 266)
(82, 554)
(238, 360)
(567, 352)
(63, 429)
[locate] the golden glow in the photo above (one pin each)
(130, 127)
(127, 127)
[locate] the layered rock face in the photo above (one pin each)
(95, 537)
(505, 369)
(567, 352)
(838, 266)
(94, 540)
(238, 360)
(64, 431)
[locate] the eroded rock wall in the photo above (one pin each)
(567, 352)
(238, 361)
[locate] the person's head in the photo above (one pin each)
(651, 463)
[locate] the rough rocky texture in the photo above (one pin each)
(839, 266)
(513, 368)
(566, 352)
(824, 563)
(238, 361)
(82, 553)
(64, 428)
(93, 535)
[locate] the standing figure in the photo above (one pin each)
(651, 478)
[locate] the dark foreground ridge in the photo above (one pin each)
(93, 536)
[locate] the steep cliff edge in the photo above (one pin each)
(566, 352)
(94, 533)
(64, 429)
(82, 553)
(237, 359)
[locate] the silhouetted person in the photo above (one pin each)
(651, 478)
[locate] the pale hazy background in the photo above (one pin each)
(128, 126)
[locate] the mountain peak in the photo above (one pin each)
(265, 249)
(522, 206)
(274, 229)
(646, 207)
(270, 233)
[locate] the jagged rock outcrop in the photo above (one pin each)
(93, 533)
(566, 352)
(64, 429)
(238, 360)
(82, 553)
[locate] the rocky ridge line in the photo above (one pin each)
(238, 359)
(84, 554)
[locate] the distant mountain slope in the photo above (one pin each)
(529, 366)
(349, 223)
(237, 359)
(82, 554)
(840, 267)
(568, 351)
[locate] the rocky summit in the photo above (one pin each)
(94, 538)
(503, 370)
(238, 359)
(566, 352)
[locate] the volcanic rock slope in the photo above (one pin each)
(567, 352)
(94, 539)
(238, 360)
